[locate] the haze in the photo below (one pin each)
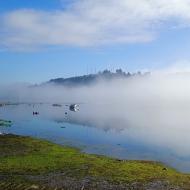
(153, 109)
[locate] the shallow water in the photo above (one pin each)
(98, 129)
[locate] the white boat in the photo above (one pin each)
(74, 107)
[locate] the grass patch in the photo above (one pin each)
(5, 123)
(28, 156)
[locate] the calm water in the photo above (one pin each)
(99, 132)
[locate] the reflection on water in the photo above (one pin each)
(100, 129)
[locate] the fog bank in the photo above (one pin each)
(152, 109)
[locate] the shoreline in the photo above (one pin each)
(37, 162)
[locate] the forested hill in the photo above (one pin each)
(106, 75)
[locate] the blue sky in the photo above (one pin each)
(9, 5)
(75, 49)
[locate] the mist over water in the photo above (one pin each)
(151, 110)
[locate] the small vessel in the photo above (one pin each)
(56, 105)
(74, 107)
(36, 113)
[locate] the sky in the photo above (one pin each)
(45, 39)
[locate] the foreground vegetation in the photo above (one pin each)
(27, 163)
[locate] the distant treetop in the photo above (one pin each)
(92, 78)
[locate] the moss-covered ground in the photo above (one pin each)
(28, 161)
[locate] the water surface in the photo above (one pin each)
(98, 129)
